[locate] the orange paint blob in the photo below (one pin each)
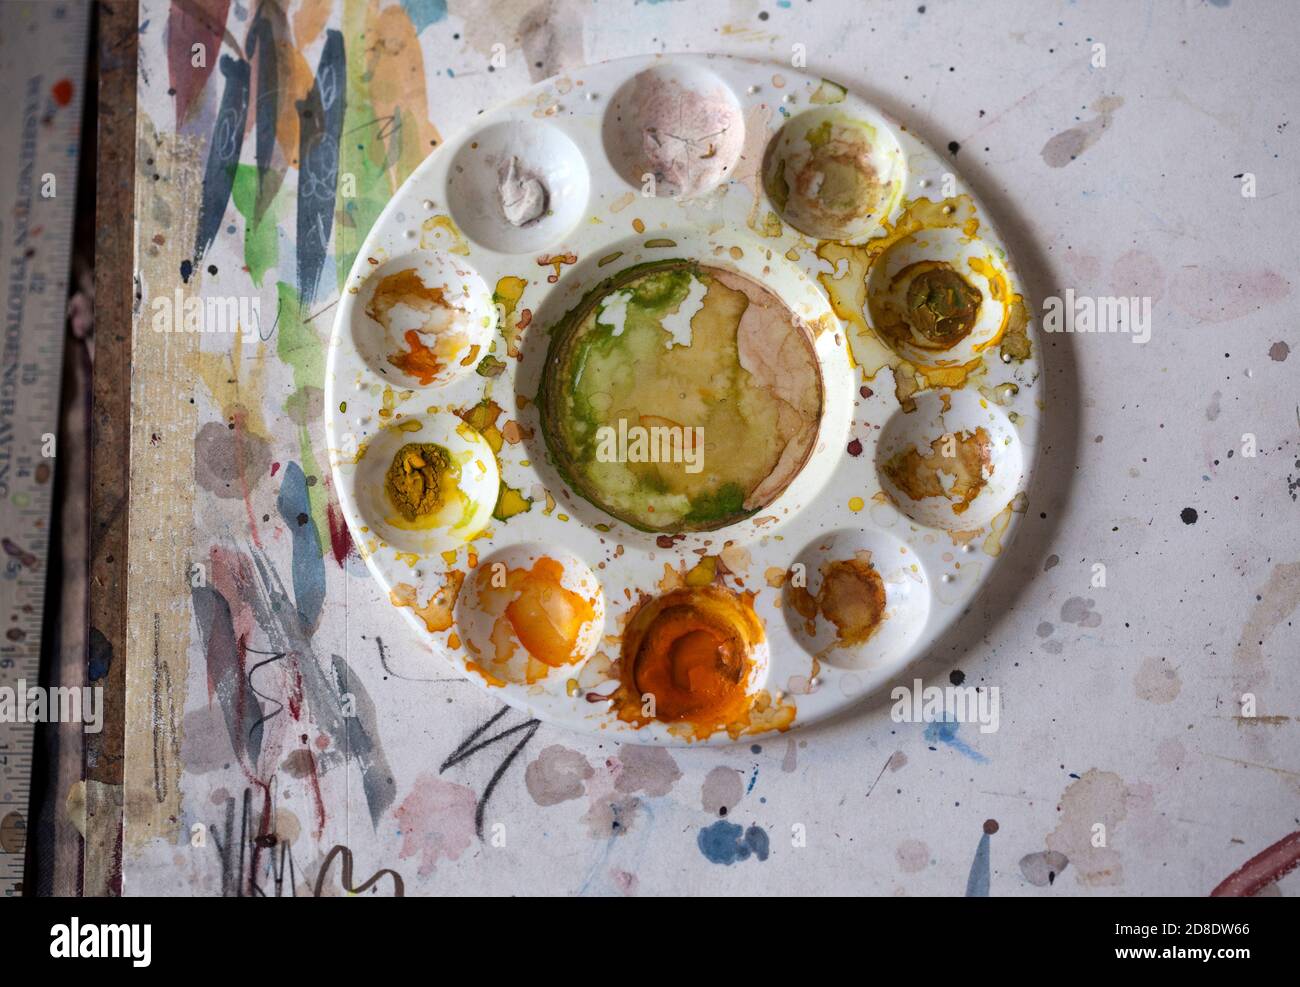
(437, 613)
(687, 657)
(545, 616)
(420, 361)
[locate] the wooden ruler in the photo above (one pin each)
(42, 74)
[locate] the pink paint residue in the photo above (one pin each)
(436, 820)
(1216, 294)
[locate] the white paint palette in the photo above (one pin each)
(683, 399)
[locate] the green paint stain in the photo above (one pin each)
(261, 237)
(378, 153)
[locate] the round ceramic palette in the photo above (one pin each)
(684, 398)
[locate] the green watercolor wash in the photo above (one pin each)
(261, 237)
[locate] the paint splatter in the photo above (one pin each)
(1077, 610)
(913, 856)
(945, 732)
(651, 770)
(1220, 293)
(224, 661)
(189, 25)
(1279, 351)
(266, 34)
(1063, 148)
(424, 12)
(721, 791)
(436, 821)
(230, 462)
(1042, 869)
(62, 92)
(1275, 601)
(552, 38)
(1091, 810)
(16, 551)
(558, 774)
(979, 879)
(727, 843)
(1189, 515)
(1157, 681)
(1214, 408)
(224, 146)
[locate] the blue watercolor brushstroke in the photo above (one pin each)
(262, 47)
(424, 12)
(320, 124)
(308, 556)
(977, 885)
(224, 146)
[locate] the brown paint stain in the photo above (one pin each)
(1096, 798)
(918, 475)
(437, 612)
(852, 597)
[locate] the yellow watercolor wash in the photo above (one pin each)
(434, 227)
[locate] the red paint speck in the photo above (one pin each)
(62, 92)
(275, 468)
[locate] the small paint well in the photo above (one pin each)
(953, 463)
(423, 319)
(674, 130)
(518, 186)
(529, 614)
(850, 577)
(939, 297)
(834, 176)
(468, 482)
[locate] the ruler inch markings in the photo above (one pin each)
(42, 56)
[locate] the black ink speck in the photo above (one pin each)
(1188, 515)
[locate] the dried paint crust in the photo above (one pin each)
(957, 468)
(687, 658)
